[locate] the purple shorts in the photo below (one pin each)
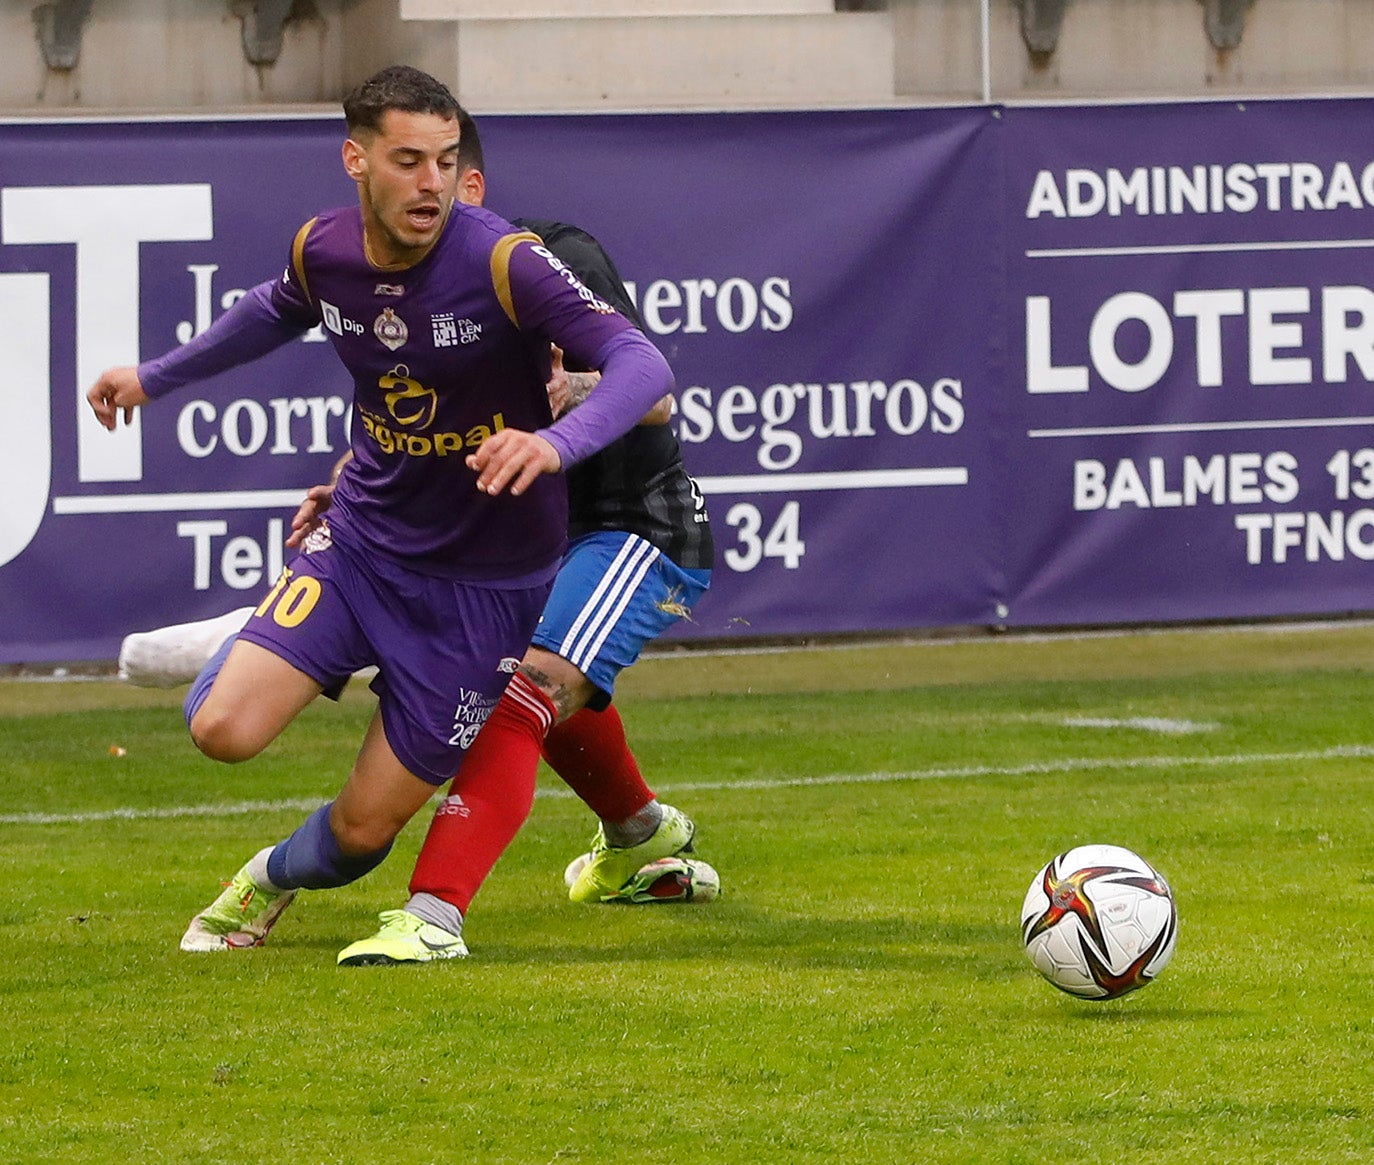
(444, 650)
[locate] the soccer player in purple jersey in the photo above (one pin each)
(447, 530)
(639, 559)
(634, 493)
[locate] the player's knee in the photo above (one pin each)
(222, 738)
(359, 835)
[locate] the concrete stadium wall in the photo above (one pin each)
(130, 56)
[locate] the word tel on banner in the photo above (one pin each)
(244, 562)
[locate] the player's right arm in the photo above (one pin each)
(267, 316)
(253, 327)
(117, 390)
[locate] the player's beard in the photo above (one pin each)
(405, 247)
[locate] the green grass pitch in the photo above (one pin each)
(859, 993)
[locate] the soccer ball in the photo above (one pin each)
(1099, 921)
(681, 878)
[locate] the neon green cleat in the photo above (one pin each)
(240, 917)
(404, 938)
(674, 879)
(602, 878)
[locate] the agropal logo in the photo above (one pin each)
(410, 403)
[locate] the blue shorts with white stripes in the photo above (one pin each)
(614, 593)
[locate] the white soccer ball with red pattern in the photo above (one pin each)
(1099, 921)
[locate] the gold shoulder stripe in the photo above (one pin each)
(500, 268)
(298, 256)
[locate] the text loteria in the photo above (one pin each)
(1277, 323)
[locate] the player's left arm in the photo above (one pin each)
(593, 265)
(548, 298)
(541, 294)
(567, 390)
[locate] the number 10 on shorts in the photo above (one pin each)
(291, 599)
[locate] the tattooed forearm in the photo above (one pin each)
(580, 385)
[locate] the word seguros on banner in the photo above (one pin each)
(854, 409)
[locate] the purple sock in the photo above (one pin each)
(310, 859)
(200, 687)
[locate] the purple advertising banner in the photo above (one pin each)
(820, 282)
(936, 367)
(1190, 308)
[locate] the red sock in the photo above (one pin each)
(589, 751)
(488, 800)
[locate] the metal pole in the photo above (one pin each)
(987, 52)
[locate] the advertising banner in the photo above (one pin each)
(1022, 366)
(1189, 299)
(820, 282)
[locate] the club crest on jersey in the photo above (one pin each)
(390, 329)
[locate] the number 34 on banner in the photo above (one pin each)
(783, 539)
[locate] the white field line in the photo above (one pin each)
(1048, 768)
(1162, 724)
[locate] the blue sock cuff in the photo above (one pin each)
(310, 859)
(202, 684)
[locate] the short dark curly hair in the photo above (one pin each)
(397, 87)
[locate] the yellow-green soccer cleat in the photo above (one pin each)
(601, 879)
(676, 879)
(240, 917)
(403, 938)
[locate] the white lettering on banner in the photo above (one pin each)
(1222, 479)
(839, 410)
(783, 540)
(25, 411)
(1206, 188)
(1245, 479)
(244, 426)
(1276, 320)
(107, 224)
(1315, 537)
(241, 559)
(202, 275)
(735, 304)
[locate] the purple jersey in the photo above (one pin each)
(442, 354)
(439, 363)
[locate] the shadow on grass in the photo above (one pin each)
(1133, 1009)
(740, 934)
